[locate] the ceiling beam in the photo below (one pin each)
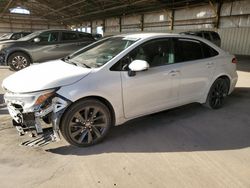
(121, 10)
(60, 9)
(6, 7)
(44, 5)
(104, 10)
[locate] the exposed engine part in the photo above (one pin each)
(26, 120)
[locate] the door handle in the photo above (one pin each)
(210, 64)
(57, 45)
(172, 72)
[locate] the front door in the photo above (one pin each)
(47, 48)
(156, 88)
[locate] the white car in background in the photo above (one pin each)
(117, 79)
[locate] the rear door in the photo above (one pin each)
(196, 69)
(71, 42)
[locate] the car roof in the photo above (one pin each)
(199, 31)
(62, 30)
(58, 30)
(146, 35)
(142, 36)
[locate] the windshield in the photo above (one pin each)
(6, 36)
(30, 36)
(101, 52)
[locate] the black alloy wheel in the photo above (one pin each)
(86, 123)
(217, 94)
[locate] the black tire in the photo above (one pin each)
(86, 123)
(18, 61)
(217, 94)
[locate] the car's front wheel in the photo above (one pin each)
(217, 94)
(86, 122)
(18, 61)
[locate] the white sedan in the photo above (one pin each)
(115, 80)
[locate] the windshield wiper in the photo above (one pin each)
(69, 60)
(85, 65)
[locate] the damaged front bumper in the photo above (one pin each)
(30, 110)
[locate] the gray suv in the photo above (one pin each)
(209, 35)
(42, 46)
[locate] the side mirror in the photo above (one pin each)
(37, 39)
(138, 65)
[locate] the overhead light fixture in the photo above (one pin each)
(19, 10)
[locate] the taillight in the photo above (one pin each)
(234, 60)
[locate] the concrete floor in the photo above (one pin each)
(190, 146)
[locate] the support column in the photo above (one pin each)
(120, 24)
(142, 22)
(217, 24)
(91, 27)
(172, 20)
(103, 26)
(217, 11)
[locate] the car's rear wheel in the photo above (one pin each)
(86, 123)
(18, 61)
(217, 94)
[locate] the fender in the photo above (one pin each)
(9, 52)
(203, 100)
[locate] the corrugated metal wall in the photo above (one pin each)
(234, 27)
(14, 23)
(236, 40)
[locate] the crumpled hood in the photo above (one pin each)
(44, 76)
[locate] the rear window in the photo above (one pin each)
(215, 36)
(208, 51)
(187, 50)
(66, 36)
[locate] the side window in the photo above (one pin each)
(156, 52)
(199, 34)
(215, 36)
(67, 36)
(208, 51)
(84, 36)
(187, 50)
(16, 36)
(206, 36)
(49, 37)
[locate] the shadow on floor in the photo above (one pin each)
(184, 129)
(3, 109)
(1, 99)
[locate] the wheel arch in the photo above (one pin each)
(102, 100)
(223, 76)
(19, 51)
